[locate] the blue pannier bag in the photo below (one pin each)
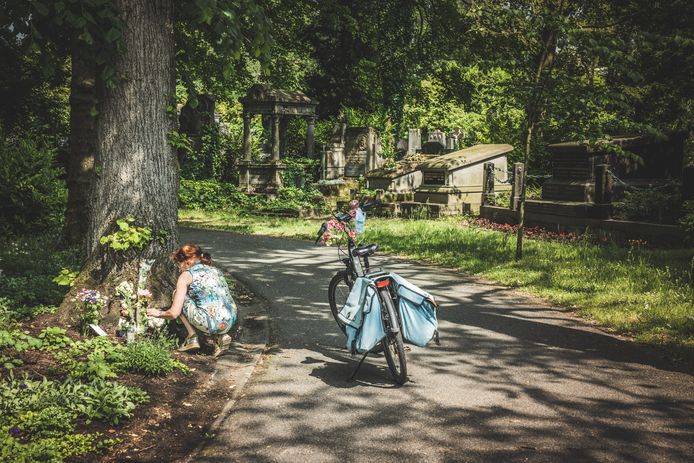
(362, 317)
(417, 312)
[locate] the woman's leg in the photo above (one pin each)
(188, 326)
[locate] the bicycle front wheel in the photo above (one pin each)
(338, 291)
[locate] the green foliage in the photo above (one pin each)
(93, 25)
(127, 236)
(53, 338)
(658, 205)
(18, 341)
(32, 197)
(100, 358)
(49, 449)
(95, 358)
(300, 171)
(212, 196)
(480, 102)
(98, 400)
(151, 357)
(28, 266)
(686, 222)
(66, 277)
(180, 141)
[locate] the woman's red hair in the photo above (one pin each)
(191, 251)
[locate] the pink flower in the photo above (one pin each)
(144, 293)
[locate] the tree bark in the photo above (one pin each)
(80, 165)
(136, 170)
(545, 61)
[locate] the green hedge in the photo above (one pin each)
(208, 195)
(33, 196)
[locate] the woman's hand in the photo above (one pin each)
(153, 312)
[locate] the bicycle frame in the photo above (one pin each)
(381, 278)
(392, 344)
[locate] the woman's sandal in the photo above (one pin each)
(221, 344)
(190, 343)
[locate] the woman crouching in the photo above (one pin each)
(202, 299)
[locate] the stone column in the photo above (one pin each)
(275, 137)
(246, 136)
(518, 174)
(603, 187)
(310, 136)
(488, 184)
(414, 141)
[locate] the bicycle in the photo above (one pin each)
(342, 282)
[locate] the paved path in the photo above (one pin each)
(513, 379)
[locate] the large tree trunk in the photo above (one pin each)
(80, 165)
(136, 170)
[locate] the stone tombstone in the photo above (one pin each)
(432, 147)
(414, 141)
(401, 145)
(437, 136)
(338, 134)
(334, 159)
(362, 151)
(453, 141)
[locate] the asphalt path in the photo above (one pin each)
(514, 379)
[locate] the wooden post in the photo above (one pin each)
(488, 184)
(603, 187)
(518, 174)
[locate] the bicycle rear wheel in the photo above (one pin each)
(338, 291)
(394, 349)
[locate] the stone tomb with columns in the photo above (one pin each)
(276, 104)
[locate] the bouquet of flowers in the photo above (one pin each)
(92, 301)
(135, 304)
(336, 233)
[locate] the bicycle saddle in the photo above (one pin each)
(366, 250)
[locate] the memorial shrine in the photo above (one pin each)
(276, 104)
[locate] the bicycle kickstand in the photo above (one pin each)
(358, 366)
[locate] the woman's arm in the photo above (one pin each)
(179, 296)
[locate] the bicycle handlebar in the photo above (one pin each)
(344, 217)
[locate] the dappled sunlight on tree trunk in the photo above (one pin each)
(135, 167)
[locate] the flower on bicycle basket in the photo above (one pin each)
(336, 233)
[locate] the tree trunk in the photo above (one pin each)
(545, 62)
(135, 167)
(80, 165)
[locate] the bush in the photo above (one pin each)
(98, 400)
(686, 222)
(151, 357)
(300, 171)
(32, 196)
(209, 195)
(650, 205)
(28, 267)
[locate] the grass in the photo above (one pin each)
(644, 293)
